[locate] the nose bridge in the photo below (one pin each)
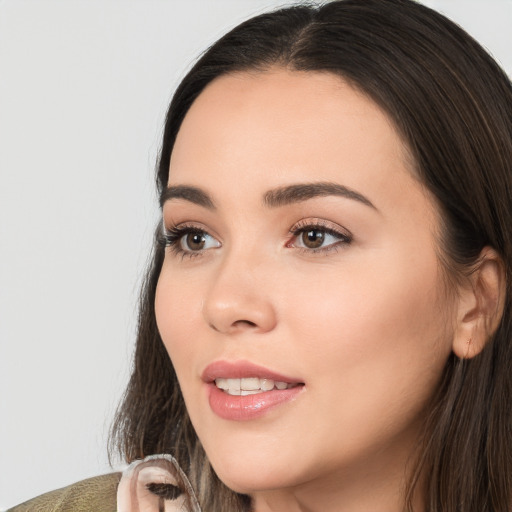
(239, 296)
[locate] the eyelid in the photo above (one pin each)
(321, 224)
(187, 226)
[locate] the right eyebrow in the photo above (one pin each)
(193, 194)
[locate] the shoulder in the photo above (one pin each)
(91, 495)
(168, 486)
(153, 484)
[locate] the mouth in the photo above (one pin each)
(251, 385)
(242, 391)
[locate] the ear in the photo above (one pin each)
(481, 299)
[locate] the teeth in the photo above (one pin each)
(249, 385)
(267, 384)
(244, 392)
(233, 384)
(222, 384)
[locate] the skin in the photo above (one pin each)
(366, 325)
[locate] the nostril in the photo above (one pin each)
(237, 323)
(244, 322)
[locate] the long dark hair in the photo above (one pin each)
(452, 105)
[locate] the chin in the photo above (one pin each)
(250, 481)
(248, 474)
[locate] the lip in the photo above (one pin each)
(241, 370)
(249, 407)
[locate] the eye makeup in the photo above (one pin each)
(310, 236)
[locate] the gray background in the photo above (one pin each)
(83, 90)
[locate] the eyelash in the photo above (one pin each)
(172, 237)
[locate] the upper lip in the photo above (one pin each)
(242, 369)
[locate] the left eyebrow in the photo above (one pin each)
(303, 191)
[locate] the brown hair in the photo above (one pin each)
(452, 105)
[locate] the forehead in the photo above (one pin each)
(282, 106)
(279, 127)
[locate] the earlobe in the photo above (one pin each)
(480, 305)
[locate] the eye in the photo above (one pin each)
(197, 241)
(189, 240)
(318, 237)
(314, 238)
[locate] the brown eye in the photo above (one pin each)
(319, 238)
(194, 241)
(188, 240)
(313, 238)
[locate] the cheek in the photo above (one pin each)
(373, 349)
(177, 305)
(374, 328)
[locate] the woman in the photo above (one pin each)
(326, 322)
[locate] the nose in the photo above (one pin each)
(239, 300)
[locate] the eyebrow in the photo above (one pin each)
(193, 194)
(302, 192)
(274, 198)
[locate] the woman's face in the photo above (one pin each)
(302, 265)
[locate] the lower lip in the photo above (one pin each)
(249, 407)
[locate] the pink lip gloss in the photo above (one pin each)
(244, 408)
(250, 406)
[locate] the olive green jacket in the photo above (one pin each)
(153, 484)
(98, 494)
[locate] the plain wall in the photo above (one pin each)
(84, 86)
